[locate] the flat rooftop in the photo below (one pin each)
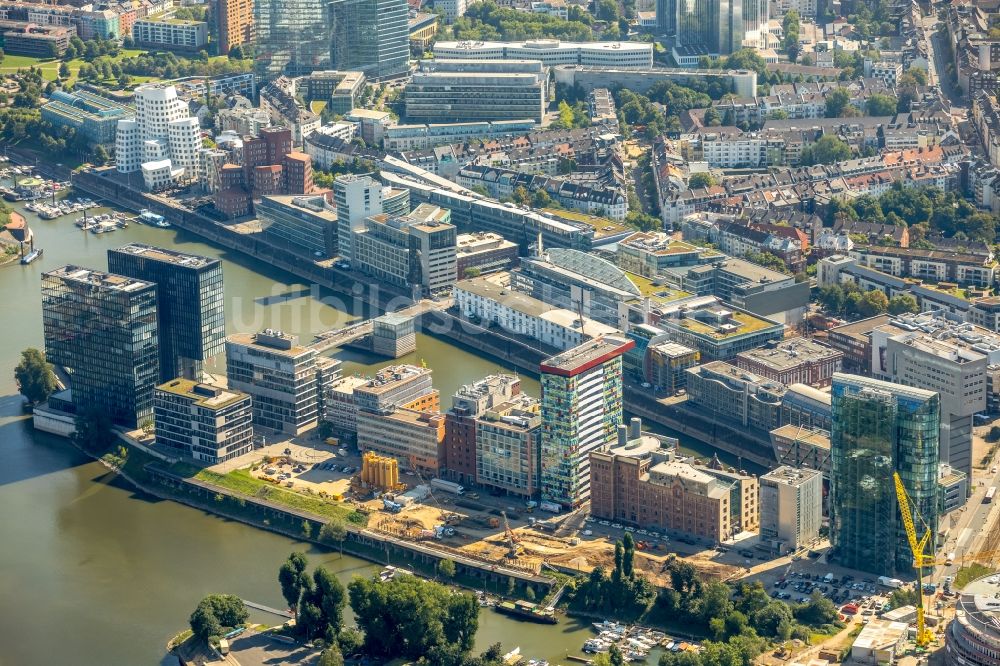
(167, 256)
(815, 437)
(392, 376)
(728, 323)
(657, 243)
(861, 330)
(586, 356)
(100, 279)
(302, 202)
(490, 289)
(274, 342)
(203, 395)
(790, 353)
(602, 226)
(790, 476)
(546, 44)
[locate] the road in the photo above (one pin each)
(938, 64)
(976, 522)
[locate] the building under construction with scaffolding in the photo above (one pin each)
(880, 428)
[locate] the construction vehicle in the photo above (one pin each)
(512, 539)
(921, 559)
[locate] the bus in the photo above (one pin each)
(990, 492)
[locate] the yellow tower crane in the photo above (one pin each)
(920, 557)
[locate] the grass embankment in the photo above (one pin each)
(240, 481)
(970, 573)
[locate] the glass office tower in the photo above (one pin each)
(720, 26)
(102, 328)
(371, 36)
(292, 37)
(192, 321)
(880, 428)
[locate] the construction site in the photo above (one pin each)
(524, 537)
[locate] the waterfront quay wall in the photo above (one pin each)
(515, 351)
(360, 542)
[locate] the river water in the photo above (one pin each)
(92, 572)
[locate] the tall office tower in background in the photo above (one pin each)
(371, 36)
(666, 17)
(189, 301)
(233, 23)
(581, 412)
(357, 198)
(102, 328)
(292, 37)
(878, 429)
(718, 27)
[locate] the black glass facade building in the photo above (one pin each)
(103, 328)
(880, 428)
(192, 323)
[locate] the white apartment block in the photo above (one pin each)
(163, 140)
(805, 8)
(489, 302)
(186, 35)
(887, 72)
(791, 507)
(452, 9)
(357, 198)
(552, 52)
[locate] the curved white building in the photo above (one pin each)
(162, 131)
(552, 52)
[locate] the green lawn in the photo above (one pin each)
(970, 573)
(50, 68)
(241, 482)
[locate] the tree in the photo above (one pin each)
(446, 568)
(204, 624)
(836, 101)
(902, 304)
(101, 155)
(329, 596)
(606, 10)
(873, 303)
(34, 376)
(216, 612)
(565, 116)
(817, 611)
(331, 656)
(412, 618)
(712, 117)
(64, 71)
(903, 597)
(541, 199)
(828, 149)
(293, 580)
(628, 555)
(701, 179)
(881, 105)
(334, 532)
(790, 26)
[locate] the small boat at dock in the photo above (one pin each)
(31, 256)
